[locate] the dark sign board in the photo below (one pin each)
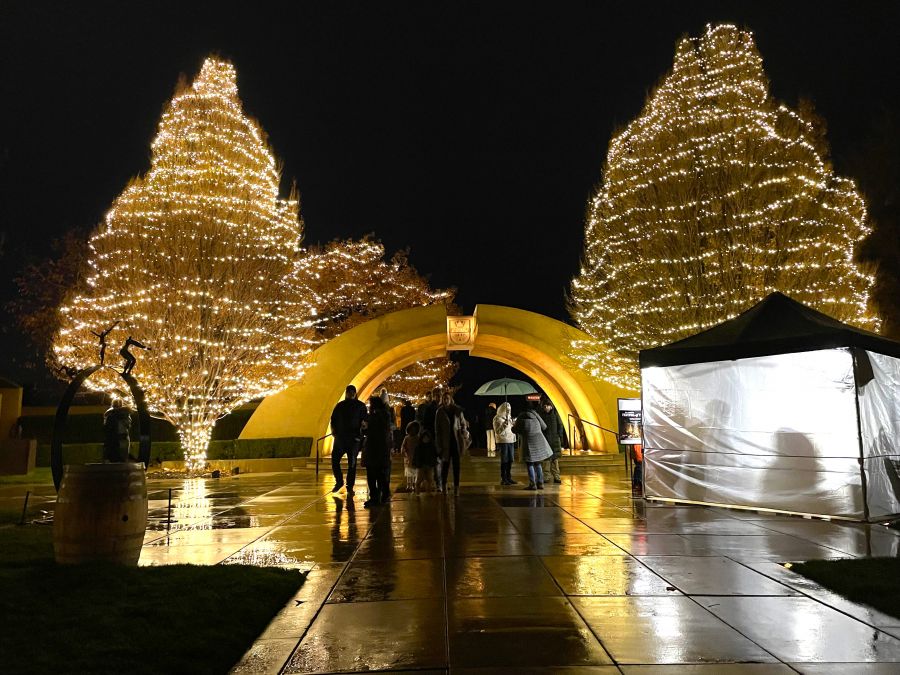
(630, 421)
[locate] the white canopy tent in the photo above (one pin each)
(780, 408)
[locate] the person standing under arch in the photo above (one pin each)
(407, 414)
(450, 436)
(377, 453)
(535, 448)
(555, 435)
(425, 415)
(347, 420)
(506, 442)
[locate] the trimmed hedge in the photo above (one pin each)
(255, 448)
(89, 428)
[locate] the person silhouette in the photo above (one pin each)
(102, 337)
(128, 356)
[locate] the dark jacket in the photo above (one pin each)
(425, 415)
(489, 414)
(534, 446)
(346, 420)
(449, 425)
(555, 433)
(407, 415)
(379, 441)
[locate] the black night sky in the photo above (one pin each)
(473, 133)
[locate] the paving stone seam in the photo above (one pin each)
(288, 517)
(812, 541)
(443, 533)
(580, 615)
(696, 602)
(746, 637)
(822, 589)
(333, 586)
(169, 532)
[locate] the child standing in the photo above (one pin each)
(408, 450)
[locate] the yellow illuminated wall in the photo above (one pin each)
(369, 353)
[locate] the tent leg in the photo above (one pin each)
(862, 457)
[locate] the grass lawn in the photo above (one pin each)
(42, 475)
(107, 619)
(871, 581)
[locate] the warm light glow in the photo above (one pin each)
(413, 382)
(714, 197)
(193, 260)
(351, 282)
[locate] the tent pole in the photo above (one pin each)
(862, 463)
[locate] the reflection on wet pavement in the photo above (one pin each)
(798, 629)
(511, 632)
(572, 580)
(664, 630)
(373, 636)
(605, 575)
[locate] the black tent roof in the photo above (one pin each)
(775, 325)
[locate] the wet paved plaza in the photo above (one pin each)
(577, 579)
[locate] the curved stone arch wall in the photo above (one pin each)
(370, 353)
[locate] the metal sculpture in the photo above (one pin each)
(62, 415)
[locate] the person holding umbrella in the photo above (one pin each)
(535, 448)
(501, 424)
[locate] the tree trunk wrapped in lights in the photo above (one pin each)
(191, 260)
(350, 282)
(715, 196)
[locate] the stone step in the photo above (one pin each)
(577, 461)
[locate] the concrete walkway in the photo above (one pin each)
(577, 579)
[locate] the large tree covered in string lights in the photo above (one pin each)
(192, 260)
(713, 197)
(351, 281)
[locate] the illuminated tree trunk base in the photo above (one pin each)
(194, 443)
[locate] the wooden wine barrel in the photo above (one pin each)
(101, 513)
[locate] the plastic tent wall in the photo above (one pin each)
(784, 432)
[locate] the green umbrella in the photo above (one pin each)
(505, 387)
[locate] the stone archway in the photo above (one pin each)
(368, 354)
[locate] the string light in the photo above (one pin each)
(350, 282)
(714, 197)
(413, 382)
(193, 260)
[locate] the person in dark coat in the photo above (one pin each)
(377, 453)
(407, 414)
(451, 435)
(420, 409)
(535, 448)
(425, 416)
(555, 435)
(347, 420)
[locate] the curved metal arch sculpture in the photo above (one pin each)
(62, 416)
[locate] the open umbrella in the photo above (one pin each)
(505, 387)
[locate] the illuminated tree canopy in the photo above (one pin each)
(350, 282)
(713, 197)
(192, 260)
